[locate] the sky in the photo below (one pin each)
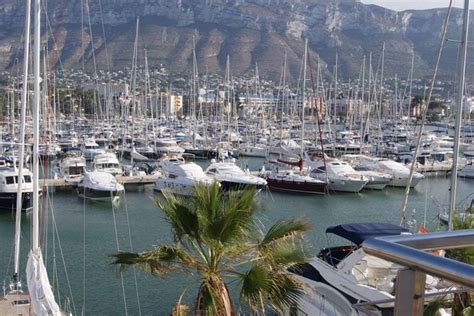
(415, 4)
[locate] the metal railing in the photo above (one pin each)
(410, 252)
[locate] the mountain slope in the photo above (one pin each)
(249, 31)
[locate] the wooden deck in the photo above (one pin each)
(17, 304)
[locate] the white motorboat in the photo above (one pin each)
(90, 149)
(49, 150)
(377, 180)
(181, 178)
(167, 146)
(107, 162)
(99, 186)
(231, 177)
(258, 150)
(340, 175)
(399, 172)
(71, 166)
(9, 187)
(341, 276)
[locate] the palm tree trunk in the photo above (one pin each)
(213, 299)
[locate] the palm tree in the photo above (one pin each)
(217, 236)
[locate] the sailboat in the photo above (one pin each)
(39, 300)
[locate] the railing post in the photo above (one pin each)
(410, 288)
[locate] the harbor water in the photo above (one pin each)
(90, 232)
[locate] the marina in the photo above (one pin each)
(103, 292)
(145, 190)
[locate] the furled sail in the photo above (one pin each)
(42, 297)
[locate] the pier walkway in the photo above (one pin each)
(61, 184)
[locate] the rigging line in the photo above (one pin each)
(131, 250)
(424, 114)
(55, 227)
(55, 46)
(103, 35)
(96, 77)
(84, 251)
(118, 249)
(55, 282)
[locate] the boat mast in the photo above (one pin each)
(24, 96)
(36, 109)
(458, 120)
(304, 97)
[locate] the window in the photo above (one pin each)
(27, 179)
(10, 180)
(212, 171)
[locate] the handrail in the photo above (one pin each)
(408, 250)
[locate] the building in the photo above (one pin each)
(174, 104)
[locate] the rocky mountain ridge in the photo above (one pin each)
(249, 31)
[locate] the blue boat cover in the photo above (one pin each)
(359, 232)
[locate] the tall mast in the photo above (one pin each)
(303, 94)
(24, 96)
(460, 99)
(36, 113)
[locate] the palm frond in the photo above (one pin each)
(207, 200)
(284, 229)
(261, 287)
(284, 253)
(158, 261)
(180, 215)
(224, 217)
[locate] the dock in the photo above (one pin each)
(62, 184)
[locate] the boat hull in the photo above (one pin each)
(235, 186)
(297, 186)
(97, 195)
(350, 186)
(202, 153)
(402, 182)
(8, 201)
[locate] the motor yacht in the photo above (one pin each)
(399, 172)
(231, 177)
(167, 146)
(181, 178)
(9, 187)
(377, 180)
(344, 280)
(71, 166)
(258, 150)
(341, 177)
(91, 149)
(107, 162)
(99, 186)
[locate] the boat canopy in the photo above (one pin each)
(359, 232)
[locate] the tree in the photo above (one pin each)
(436, 105)
(417, 100)
(217, 236)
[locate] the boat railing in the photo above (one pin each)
(413, 252)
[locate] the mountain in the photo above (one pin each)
(249, 31)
